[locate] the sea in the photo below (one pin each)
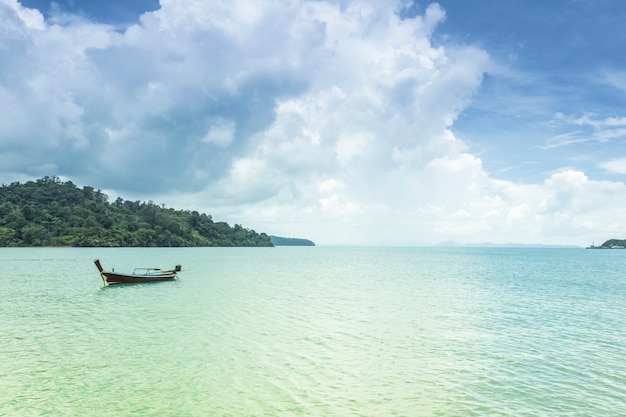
(314, 331)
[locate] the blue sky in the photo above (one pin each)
(346, 122)
(558, 57)
(115, 12)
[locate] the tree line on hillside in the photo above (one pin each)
(49, 212)
(613, 243)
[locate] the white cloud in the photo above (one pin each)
(221, 133)
(31, 19)
(617, 165)
(317, 119)
(587, 127)
(614, 78)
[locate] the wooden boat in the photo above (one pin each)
(138, 275)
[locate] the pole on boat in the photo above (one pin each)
(99, 266)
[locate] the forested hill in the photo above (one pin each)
(613, 243)
(49, 212)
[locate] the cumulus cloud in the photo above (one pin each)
(328, 120)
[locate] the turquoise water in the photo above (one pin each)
(315, 332)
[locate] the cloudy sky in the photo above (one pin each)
(346, 122)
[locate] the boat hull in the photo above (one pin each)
(114, 278)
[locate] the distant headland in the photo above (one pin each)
(610, 244)
(290, 241)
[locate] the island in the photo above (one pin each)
(290, 241)
(51, 212)
(610, 244)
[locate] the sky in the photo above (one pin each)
(365, 122)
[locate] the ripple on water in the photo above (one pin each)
(322, 331)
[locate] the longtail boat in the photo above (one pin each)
(138, 275)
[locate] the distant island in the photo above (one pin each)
(610, 244)
(49, 212)
(290, 241)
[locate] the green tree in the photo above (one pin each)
(51, 212)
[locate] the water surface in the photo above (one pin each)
(315, 331)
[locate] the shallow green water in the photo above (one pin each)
(315, 332)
